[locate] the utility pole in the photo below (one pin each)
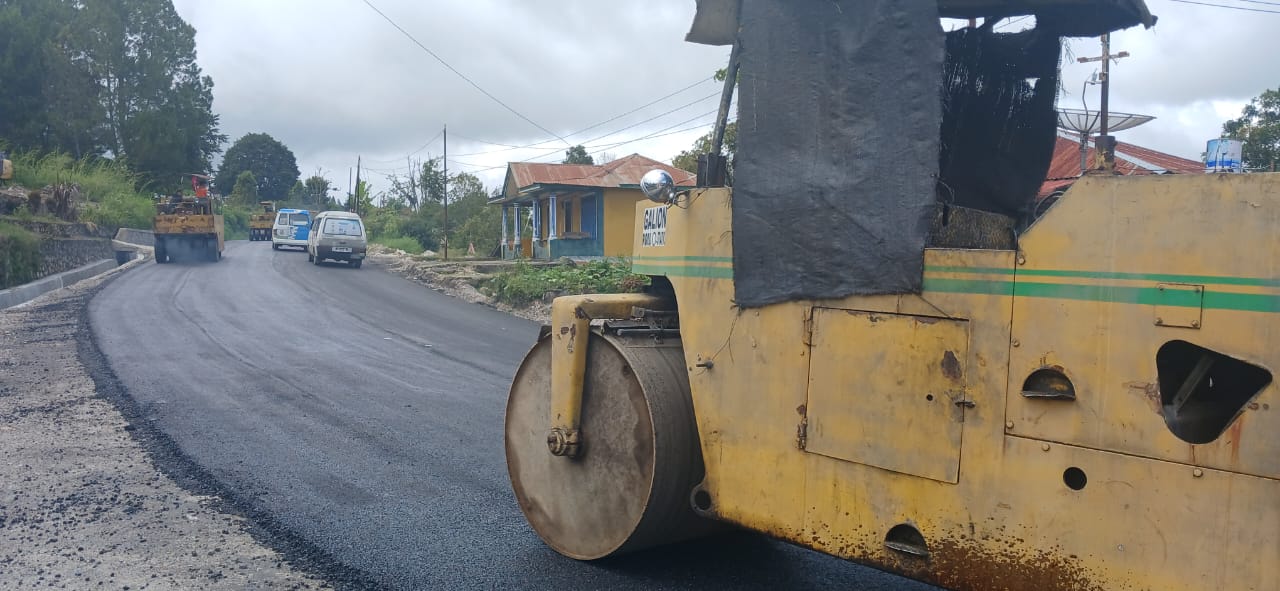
(356, 196)
(413, 183)
(1105, 144)
(445, 161)
(349, 193)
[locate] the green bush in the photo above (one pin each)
(421, 227)
(404, 243)
(525, 283)
(235, 221)
(120, 210)
(19, 255)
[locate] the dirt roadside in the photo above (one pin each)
(88, 497)
(453, 278)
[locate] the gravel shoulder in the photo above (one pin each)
(82, 503)
(452, 278)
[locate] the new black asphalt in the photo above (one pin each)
(356, 418)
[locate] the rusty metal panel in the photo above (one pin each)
(187, 224)
(1179, 305)
(1099, 269)
(888, 390)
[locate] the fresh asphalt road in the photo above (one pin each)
(364, 414)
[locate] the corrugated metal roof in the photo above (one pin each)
(1130, 159)
(621, 172)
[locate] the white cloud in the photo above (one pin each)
(333, 80)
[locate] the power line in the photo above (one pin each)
(424, 146)
(658, 133)
(596, 149)
(658, 116)
(1230, 7)
(460, 74)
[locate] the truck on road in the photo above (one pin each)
(260, 221)
(186, 226)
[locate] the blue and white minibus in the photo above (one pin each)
(291, 228)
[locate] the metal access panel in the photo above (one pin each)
(888, 390)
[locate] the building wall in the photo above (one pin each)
(581, 247)
(619, 225)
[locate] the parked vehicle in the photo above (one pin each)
(291, 228)
(337, 236)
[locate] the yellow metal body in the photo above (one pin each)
(829, 423)
(6, 170)
(183, 226)
(570, 326)
(190, 224)
(263, 220)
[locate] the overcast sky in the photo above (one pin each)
(333, 80)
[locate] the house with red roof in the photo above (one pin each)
(574, 210)
(1130, 160)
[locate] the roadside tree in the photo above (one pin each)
(578, 155)
(316, 191)
(245, 192)
(107, 78)
(1259, 128)
(271, 162)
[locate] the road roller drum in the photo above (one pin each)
(629, 486)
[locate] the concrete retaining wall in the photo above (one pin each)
(74, 252)
(25, 293)
(136, 237)
(64, 254)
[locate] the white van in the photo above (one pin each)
(337, 236)
(290, 228)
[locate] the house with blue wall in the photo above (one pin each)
(574, 210)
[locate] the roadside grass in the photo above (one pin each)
(405, 243)
(109, 188)
(235, 221)
(525, 283)
(19, 255)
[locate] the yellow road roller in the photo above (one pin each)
(186, 226)
(261, 221)
(879, 345)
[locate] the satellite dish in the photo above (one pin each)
(1086, 122)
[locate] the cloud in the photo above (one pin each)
(333, 80)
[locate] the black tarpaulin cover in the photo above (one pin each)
(838, 145)
(999, 123)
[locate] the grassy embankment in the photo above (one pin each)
(109, 189)
(525, 283)
(19, 255)
(110, 200)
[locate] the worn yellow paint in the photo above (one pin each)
(570, 324)
(190, 225)
(854, 414)
(1154, 512)
(619, 220)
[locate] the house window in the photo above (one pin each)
(568, 216)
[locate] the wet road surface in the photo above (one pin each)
(361, 415)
